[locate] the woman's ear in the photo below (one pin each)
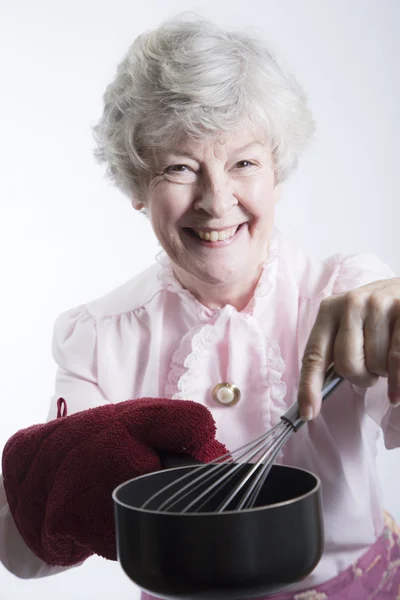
(138, 198)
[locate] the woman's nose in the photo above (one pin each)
(215, 198)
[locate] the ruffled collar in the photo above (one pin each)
(265, 285)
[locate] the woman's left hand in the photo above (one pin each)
(359, 332)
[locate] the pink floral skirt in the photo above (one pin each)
(374, 576)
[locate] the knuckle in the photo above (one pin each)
(312, 360)
(326, 305)
(354, 300)
(378, 301)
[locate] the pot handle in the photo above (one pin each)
(172, 461)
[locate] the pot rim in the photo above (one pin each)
(226, 513)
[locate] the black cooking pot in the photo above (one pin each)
(231, 555)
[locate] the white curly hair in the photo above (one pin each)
(191, 77)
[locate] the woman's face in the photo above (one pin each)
(211, 205)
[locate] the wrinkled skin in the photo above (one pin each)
(359, 331)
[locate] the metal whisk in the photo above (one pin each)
(244, 470)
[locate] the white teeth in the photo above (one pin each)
(217, 236)
(214, 236)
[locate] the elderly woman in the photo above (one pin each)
(201, 128)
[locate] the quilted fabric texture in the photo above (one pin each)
(59, 476)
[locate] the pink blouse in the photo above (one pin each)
(151, 337)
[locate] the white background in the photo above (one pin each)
(67, 236)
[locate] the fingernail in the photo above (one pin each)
(307, 413)
(395, 404)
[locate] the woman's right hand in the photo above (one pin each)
(59, 476)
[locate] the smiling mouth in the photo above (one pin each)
(211, 235)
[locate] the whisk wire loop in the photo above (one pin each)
(202, 472)
(204, 482)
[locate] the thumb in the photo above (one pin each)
(311, 382)
(318, 355)
(176, 426)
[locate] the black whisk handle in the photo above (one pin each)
(331, 381)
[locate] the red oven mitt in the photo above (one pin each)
(59, 476)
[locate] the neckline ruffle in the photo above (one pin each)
(263, 289)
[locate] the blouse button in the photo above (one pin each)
(226, 394)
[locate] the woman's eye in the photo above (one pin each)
(244, 163)
(177, 169)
